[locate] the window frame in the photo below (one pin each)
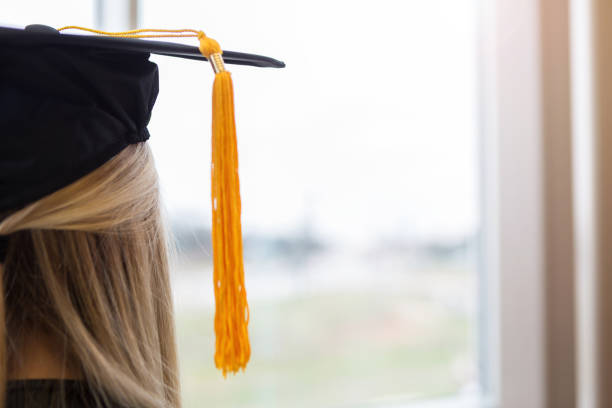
(527, 226)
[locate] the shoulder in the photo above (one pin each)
(51, 393)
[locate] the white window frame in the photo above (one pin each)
(527, 237)
(512, 237)
(116, 15)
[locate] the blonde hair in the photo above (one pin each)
(89, 264)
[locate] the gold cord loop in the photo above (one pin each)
(208, 46)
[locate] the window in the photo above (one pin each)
(359, 181)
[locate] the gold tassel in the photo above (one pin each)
(232, 312)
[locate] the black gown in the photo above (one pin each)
(47, 393)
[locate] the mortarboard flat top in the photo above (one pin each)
(37, 35)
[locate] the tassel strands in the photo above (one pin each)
(231, 316)
(232, 312)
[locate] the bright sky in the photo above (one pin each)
(370, 131)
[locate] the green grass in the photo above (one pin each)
(338, 348)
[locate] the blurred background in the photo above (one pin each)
(360, 251)
(418, 190)
(359, 246)
(360, 209)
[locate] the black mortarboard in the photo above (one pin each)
(69, 103)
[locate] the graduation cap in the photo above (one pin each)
(69, 103)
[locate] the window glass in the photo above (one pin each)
(358, 166)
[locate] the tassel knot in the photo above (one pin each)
(208, 46)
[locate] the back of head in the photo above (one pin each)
(88, 264)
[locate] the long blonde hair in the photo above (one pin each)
(89, 264)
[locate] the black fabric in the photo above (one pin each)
(4, 241)
(68, 103)
(64, 111)
(50, 393)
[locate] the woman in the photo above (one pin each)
(87, 312)
(86, 294)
